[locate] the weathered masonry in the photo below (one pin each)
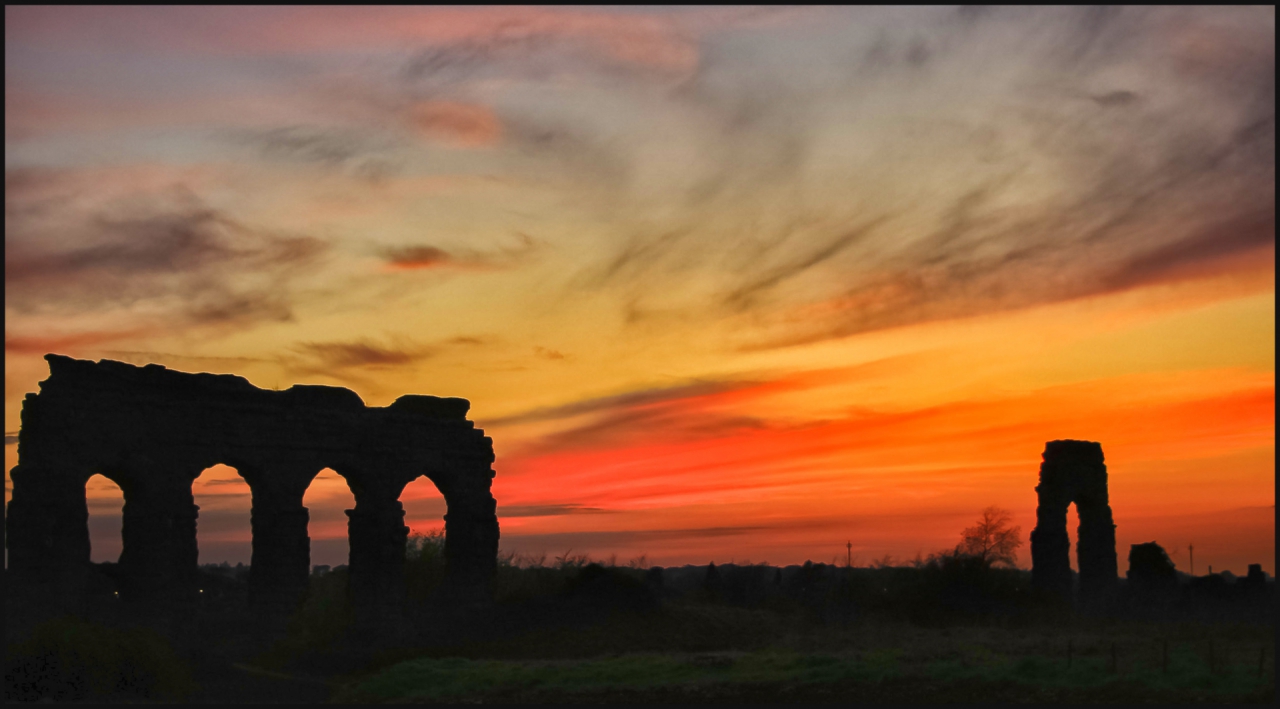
(153, 430)
(1073, 471)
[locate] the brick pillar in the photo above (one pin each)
(471, 546)
(47, 535)
(1096, 536)
(281, 564)
(158, 565)
(1050, 545)
(471, 531)
(377, 535)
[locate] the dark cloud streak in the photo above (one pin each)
(426, 256)
(361, 353)
(192, 263)
(644, 397)
(551, 510)
(363, 155)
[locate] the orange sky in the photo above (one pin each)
(722, 284)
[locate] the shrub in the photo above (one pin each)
(67, 659)
(424, 565)
(597, 587)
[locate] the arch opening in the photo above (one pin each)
(327, 499)
(1073, 536)
(104, 500)
(424, 506)
(223, 529)
(224, 537)
(424, 515)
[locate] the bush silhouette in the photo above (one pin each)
(1150, 567)
(606, 588)
(67, 659)
(424, 565)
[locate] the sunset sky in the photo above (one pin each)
(723, 284)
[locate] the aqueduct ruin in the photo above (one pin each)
(1073, 471)
(153, 430)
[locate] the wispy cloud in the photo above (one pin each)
(425, 256)
(946, 210)
(362, 353)
(634, 399)
(607, 539)
(551, 354)
(186, 262)
(145, 356)
(355, 362)
(45, 343)
(549, 510)
(705, 394)
(356, 152)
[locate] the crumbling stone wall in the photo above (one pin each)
(1073, 471)
(153, 430)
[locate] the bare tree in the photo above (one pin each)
(993, 539)
(885, 562)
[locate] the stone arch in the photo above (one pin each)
(114, 498)
(154, 430)
(1074, 472)
(221, 495)
(327, 485)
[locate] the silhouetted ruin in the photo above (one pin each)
(152, 431)
(1256, 577)
(1073, 471)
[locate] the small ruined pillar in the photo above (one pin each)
(1073, 471)
(377, 535)
(159, 562)
(281, 565)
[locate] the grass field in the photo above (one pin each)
(886, 675)
(878, 661)
(578, 632)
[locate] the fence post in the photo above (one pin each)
(1113, 657)
(1164, 657)
(1262, 657)
(1068, 654)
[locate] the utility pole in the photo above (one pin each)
(1191, 549)
(849, 559)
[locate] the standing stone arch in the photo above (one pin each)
(152, 431)
(1074, 472)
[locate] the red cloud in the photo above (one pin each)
(462, 125)
(679, 455)
(66, 343)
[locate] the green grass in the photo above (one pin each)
(454, 679)
(924, 667)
